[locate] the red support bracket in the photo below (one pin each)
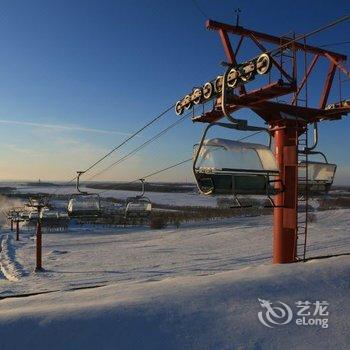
(227, 47)
(328, 85)
(306, 76)
(213, 25)
(277, 65)
(337, 63)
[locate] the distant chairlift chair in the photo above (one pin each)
(139, 206)
(84, 204)
(226, 167)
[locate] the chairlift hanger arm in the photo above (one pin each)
(308, 149)
(316, 152)
(79, 173)
(142, 188)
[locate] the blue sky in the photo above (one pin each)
(101, 69)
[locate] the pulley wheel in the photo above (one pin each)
(263, 64)
(208, 90)
(218, 84)
(187, 102)
(246, 76)
(178, 108)
(232, 78)
(197, 96)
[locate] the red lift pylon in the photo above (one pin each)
(286, 121)
(39, 204)
(15, 217)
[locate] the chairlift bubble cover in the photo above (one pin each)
(84, 203)
(232, 167)
(139, 207)
(138, 204)
(234, 156)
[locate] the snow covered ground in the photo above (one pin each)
(196, 287)
(164, 198)
(178, 199)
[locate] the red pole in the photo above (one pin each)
(38, 243)
(285, 218)
(17, 230)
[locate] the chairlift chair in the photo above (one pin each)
(48, 214)
(84, 204)
(226, 167)
(138, 206)
(320, 175)
(24, 215)
(141, 207)
(33, 216)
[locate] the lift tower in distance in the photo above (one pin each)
(39, 204)
(287, 120)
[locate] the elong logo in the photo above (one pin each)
(274, 315)
(282, 314)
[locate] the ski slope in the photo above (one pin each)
(196, 287)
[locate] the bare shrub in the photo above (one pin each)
(224, 202)
(311, 217)
(334, 203)
(157, 223)
(177, 223)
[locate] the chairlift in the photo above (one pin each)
(315, 176)
(84, 204)
(33, 215)
(227, 167)
(24, 215)
(54, 220)
(48, 214)
(138, 206)
(320, 175)
(14, 214)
